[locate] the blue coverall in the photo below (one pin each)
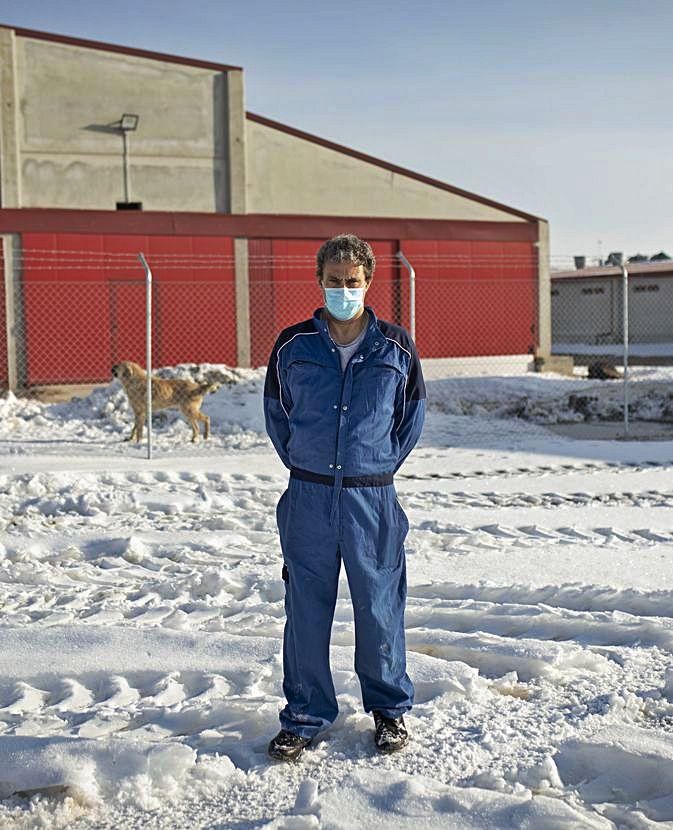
(343, 435)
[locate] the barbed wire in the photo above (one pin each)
(34, 256)
(130, 257)
(51, 259)
(134, 280)
(32, 263)
(184, 254)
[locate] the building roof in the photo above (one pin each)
(114, 47)
(634, 269)
(393, 168)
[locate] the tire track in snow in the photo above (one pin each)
(510, 620)
(569, 597)
(241, 502)
(490, 500)
(159, 704)
(497, 535)
(539, 470)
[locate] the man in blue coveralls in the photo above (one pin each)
(344, 402)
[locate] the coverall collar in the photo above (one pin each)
(368, 343)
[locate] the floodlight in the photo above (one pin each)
(129, 122)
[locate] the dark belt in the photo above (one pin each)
(381, 480)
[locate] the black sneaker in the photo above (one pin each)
(391, 733)
(287, 746)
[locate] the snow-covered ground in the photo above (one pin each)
(142, 615)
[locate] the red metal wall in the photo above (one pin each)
(3, 327)
(284, 287)
(474, 297)
(83, 312)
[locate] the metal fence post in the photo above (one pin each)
(148, 346)
(11, 254)
(625, 321)
(412, 294)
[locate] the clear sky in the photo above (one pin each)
(562, 109)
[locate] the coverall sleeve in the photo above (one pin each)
(412, 413)
(276, 406)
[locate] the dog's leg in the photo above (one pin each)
(138, 428)
(134, 432)
(194, 417)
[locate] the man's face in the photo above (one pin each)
(343, 275)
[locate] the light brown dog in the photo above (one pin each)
(175, 393)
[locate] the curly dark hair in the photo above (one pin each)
(346, 247)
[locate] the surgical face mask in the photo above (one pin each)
(344, 303)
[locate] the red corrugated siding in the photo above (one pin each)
(3, 327)
(195, 305)
(285, 290)
(263, 325)
(384, 294)
(474, 298)
(81, 317)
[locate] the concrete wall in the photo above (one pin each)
(10, 178)
(287, 174)
(586, 311)
(590, 310)
(69, 155)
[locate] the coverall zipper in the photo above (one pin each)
(335, 513)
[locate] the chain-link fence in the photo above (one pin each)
(76, 319)
(617, 325)
(597, 321)
(467, 313)
(74, 314)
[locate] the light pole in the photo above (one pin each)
(128, 123)
(625, 337)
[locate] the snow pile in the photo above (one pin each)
(110, 408)
(15, 411)
(235, 411)
(496, 396)
(237, 418)
(648, 404)
(544, 399)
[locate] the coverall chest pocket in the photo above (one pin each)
(381, 384)
(306, 380)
